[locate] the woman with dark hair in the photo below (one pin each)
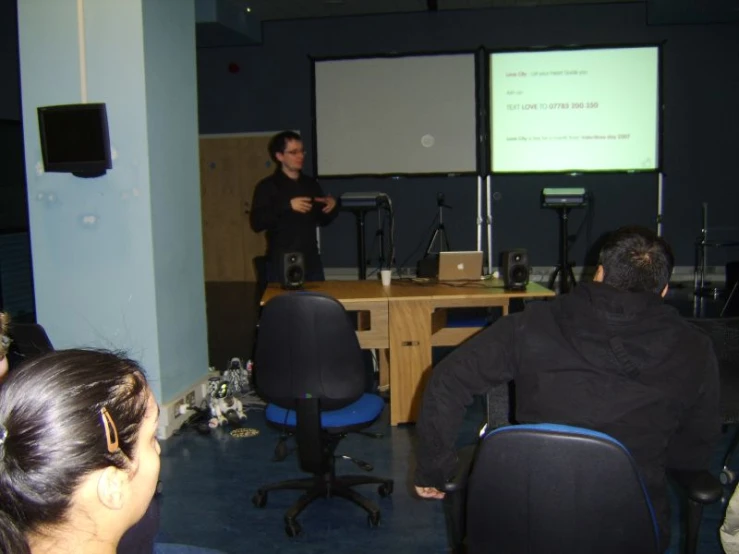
(79, 457)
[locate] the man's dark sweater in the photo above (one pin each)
(288, 230)
(617, 362)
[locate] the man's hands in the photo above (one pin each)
(429, 492)
(303, 204)
(330, 202)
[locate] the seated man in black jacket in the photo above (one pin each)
(610, 356)
(289, 205)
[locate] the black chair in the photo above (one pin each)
(29, 340)
(556, 488)
(724, 334)
(698, 487)
(259, 263)
(308, 366)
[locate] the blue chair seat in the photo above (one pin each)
(364, 410)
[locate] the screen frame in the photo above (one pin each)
(476, 53)
(488, 154)
(83, 168)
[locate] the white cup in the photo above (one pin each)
(385, 275)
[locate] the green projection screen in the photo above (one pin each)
(575, 110)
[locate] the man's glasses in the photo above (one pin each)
(295, 152)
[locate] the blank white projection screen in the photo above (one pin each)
(391, 116)
(575, 110)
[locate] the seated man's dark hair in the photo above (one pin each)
(53, 434)
(635, 259)
(278, 143)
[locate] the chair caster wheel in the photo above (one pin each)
(292, 528)
(727, 477)
(386, 489)
(259, 499)
(373, 519)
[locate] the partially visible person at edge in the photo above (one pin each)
(79, 457)
(289, 205)
(610, 356)
(4, 345)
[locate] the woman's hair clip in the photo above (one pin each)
(3, 434)
(111, 432)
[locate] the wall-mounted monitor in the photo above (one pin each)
(575, 110)
(75, 139)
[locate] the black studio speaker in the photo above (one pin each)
(292, 272)
(515, 269)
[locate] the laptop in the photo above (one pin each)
(460, 266)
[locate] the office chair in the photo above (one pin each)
(554, 488)
(259, 263)
(29, 340)
(724, 334)
(699, 487)
(308, 366)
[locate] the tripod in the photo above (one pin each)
(440, 231)
(564, 268)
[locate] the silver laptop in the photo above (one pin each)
(460, 266)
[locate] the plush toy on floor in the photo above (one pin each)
(224, 406)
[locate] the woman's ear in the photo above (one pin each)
(112, 485)
(600, 273)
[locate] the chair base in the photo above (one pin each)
(326, 487)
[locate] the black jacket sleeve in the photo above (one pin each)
(700, 427)
(267, 206)
(322, 218)
(486, 360)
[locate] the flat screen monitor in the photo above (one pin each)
(74, 139)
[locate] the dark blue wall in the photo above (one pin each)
(700, 79)
(13, 205)
(10, 92)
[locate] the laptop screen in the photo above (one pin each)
(460, 266)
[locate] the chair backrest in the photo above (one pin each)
(543, 488)
(724, 333)
(29, 340)
(259, 263)
(307, 348)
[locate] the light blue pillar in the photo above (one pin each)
(118, 260)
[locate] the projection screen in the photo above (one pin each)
(395, 115)
(575, 110)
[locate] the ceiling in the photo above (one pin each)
(269, 10)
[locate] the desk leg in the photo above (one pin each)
(410, 357)
(383, 355)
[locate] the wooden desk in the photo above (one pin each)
(406, 320)
(418, 322)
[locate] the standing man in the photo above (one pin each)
(610, 356)
(289, 206)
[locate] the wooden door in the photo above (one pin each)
(230, 168)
